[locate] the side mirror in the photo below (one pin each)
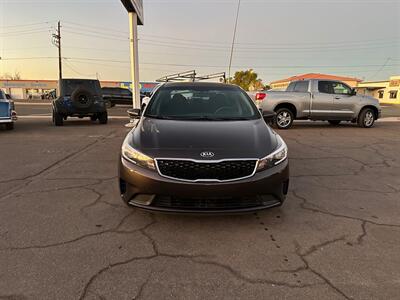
(134, 113)
(145, 101)
(353, 92)
(268, 116)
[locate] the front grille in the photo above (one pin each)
(204, 204)
(197, 171)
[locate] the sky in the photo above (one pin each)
(276, 38)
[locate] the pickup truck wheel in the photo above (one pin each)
(103, 117)
(58, 119)
(10, 126)
(284, 118)
(366, 118)
(109, 104)
(334, 122)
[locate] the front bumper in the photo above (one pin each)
(146, 189)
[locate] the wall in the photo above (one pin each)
(381, 90)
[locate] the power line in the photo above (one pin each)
(213, 66)
(380, 70)
(27, 25)
(124, 36)
(233, 41)
(69, 66)
(97, 36)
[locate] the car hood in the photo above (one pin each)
(187, 139)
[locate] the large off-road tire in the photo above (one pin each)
(82, 98)
(103, 117)
(366, 118)
(10, 126)
(58, 119)
(334, 122)
(284, 118)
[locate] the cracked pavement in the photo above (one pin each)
(65, 233)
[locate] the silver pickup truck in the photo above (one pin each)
(314, 99)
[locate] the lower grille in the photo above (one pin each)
(203, 204)
(208, 171)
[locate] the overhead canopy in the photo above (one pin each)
(135, 6)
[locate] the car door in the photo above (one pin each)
(343, 101)
(322, 100)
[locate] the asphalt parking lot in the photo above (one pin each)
(65, 233)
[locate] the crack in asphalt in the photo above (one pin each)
(384, 158)
(332, 188)
(303, 257)
(82, 237)
(197, 259)
(142, 287)
(52, 167)
(316, 209)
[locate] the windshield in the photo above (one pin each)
(68, 86)
(201, 103)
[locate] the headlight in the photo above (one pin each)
(137, 157)
(275, 158)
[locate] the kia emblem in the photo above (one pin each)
(207, 154)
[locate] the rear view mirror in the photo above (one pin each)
(268, 116)
(353, 92)
(134, 113)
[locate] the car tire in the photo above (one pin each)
(82, 98)
(10, 126)
(366, 118)
(93, 118)
(58, 119)
(284, 118)
(103, 117)
(334, 122)
(109, 104)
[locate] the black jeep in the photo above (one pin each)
(79, 98)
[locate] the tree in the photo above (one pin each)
(247, 80)
(8, 76)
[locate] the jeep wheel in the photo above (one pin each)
(334, 122)
(10, 126)
(284, 118)
(366, 118)
(82, 98)
(58, 119)
(103, 117)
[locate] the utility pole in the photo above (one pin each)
(233, 41)
(57, 42)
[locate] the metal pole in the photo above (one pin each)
(59, 51)
(134, 59)
(233, 41)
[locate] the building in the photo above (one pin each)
(386, 91)
(22, 89)
(283, 83)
